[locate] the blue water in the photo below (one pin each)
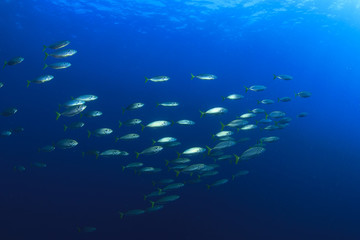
(303, 187)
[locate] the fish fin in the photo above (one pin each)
(233, 177)
(266, 116)
(209, 150)
(178, 154)
(146, 79)
(145, 197)
(65, 127)
(44, 47)
(222, 126)
(5, 63)
(123, 110)
(202, 114)
(246, 88)
(223, 98)
(28, 83)
(45, 66)
(172, 122)
(153, 141)
(78, 229)
(152, 204)
(192, 76)
(157, 104)
(274, 77)
(121, 215)
(46, 55)
(153, 183)
(237, 158)
(278, 99)
(258, 101)
(123, 168)
(83, 154)
(97, 156)
(142, 127)
(57, 115)
(120, 124)
(295, 92)
(89, 133)
(160, 190)
(208, 186)
(137, 155)
(237, 130)
(177, 173)
(199, 176)
(213, 137)
(167, 162)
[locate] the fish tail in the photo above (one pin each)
(209, 150)
(167, 162)
(78, 229)
(152, 204)
(121, 215)
(142, 127)
(177, 173)
(28, 83)
(123, 110)
(274, 77)
(208, 186)
(116, 139)
(145, 197)
(172, 122)
(65, 127)
(222, 126)
(153, 183)
(192, 76)
(97, 155)
(237, 130)
(223, 98)
(233, 177)
(278, 99)
(157, 104)
(258, 101)
(237, 158)
(146, 79)
(45, 66)
(46, 55)
(202, 114)
(153, 141)
(123, 168)
(83, 154)
(246, 88)
(57, 115)
(5, 63)
(137, 155)
(120, 124)
(213, 137)
(89, 133)
(178, 154)
(266, 116)
(44, 47)
(160, 190)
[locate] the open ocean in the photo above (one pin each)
(305, 185)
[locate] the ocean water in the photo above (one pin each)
(304, 186)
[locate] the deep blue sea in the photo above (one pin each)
(304, 186)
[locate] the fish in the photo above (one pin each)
(66, 143)
(39, 165)
(1, 84)
(283, 120)
(208, 174)
(204, 76)
(86, 229)
(277, 114)
(249, 127)
(47, 148)
(131, 213)
(178, 161)
(240, 173)
(156, 124)
(62, 53)
(157, 79)
(283, 77)
(192, 168)
(284, 99)
(133, 165)
(129, 136)
(172, 186)
(57, 45)
(258, 110)
(154, 194)
(8, 112)
(247, 115)
(13, 61)
(100, 132)
(92, 114)
(73, 103)
(266, 101)
(131, 122)
(57, 65)
(218, 183)
(165, 140)
(40, 80)
(221, 145)
(234, 123)
(264, 121)
(168, 104)
(185, 122)
(255, 88)
(214, 111)
(147, 169)
(154, 208)
(74, 125)
(19, 168)
(303, 94)
(5, 133)
(164, 181)
(303, 114)
(233, 97)
(150, 150)
(249, 153)
(133, 106)
(223, 134)
(113, 152)
(87, 98)
(192, 151)
(269, 139)
(72, 111)
(165, 199)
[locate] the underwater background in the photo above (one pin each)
(305, 186)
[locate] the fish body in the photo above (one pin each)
(204, 76)
(185, 122)
(194, 150)
(150, 150)
(100, 132)
(62, 53)
(233, 97)
(168, 104)
(41, 79)
(71, 111)
(14, 61)
(214, 111)
(284, 99)
(157, 79)
(66, 143)
(304, 94)
(87, 98)
(283, 77)
(57, 45)
(255, 88)
(8, 112)
(58, 65)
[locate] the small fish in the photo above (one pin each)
(74, 125)
(113, 152)
(178, 161)
(5, 133)
(19, 168)
(266, 101)
(133, 165)
(283, 77)
(223, 134)
(150, 150)
(154, 208)
(192, 151)
(165, 199)
(284, 99)
(217, 183)
(221, 145)
(40, 80)
(271, 127)
(39, 165)
(248, 127)
(133, 106)
(255, 88)
(1, 84)
(86, 229)
(93, 114)
(8, 112)
(164, 181)
(204, 76)
(58, 65)
(156, 124)
(146, 169)
(233, 97)
(14, 61)
(73, 103)
(168, 104)
(72, 111)
(165, 140)
(250, 153)
(264, 121)
(154, 194)
(194, 167)
(57, 45)
(214, 111)
(130, 136)
(47, 148)
(131, 122)
(258, 110)
(283, 120)
(185, 122)
(247, 115)
(62, 53)
(18, 130)
(234, 123)
(277, 114)
(157, 79)
(172, 186)
(131, 213)
(240, 173)
(66, 143)
(304, 94)
(100, 132)
(87, 98)
(269, 139)
(303, 114)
